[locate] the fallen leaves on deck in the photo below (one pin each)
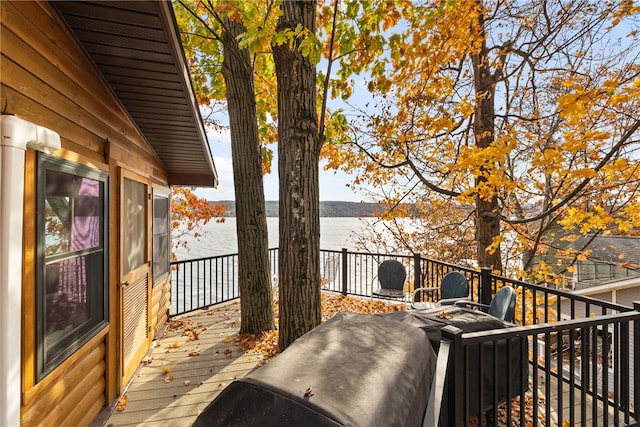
(266, 345)
(501, 414)
(189, 329)
(333, 304)
(122, 403)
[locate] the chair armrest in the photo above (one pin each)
(434, 288)
(415, 292)
(483, 307)
(452, 301)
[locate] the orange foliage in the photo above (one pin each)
(563, 123)
(189, 213)
(266, 345)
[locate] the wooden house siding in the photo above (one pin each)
(160, 305)
(628, 296)
(603, 296)
(46, 78)
(75, 398)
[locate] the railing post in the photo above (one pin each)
(636, 362)
(624, 362)
(345, 272)
(485, 286)
(417, 271)
(455, 402)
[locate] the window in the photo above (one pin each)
(72, 259)
(161, 235)
(134, 223)
(586, 271)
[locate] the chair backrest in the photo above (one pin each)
(503, 304)
(392, 274)
(454, 285)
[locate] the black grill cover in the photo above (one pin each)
(363, 371)
(508, 354)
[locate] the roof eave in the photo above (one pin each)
(169, 18)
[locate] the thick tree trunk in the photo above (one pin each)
(487, 218)
(298, 155)
(254, 276)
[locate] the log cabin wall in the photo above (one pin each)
(160, 305)
(46, 78)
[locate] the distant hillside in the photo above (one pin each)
(327, 209)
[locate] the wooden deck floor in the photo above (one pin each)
(182, 374)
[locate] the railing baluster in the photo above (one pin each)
(572, 376)
(496, 382)
(547, 378)
(345, 271)
(534, 378)
(584, 372)
(604, 356)
(524, 378)
(560, 378)
(594, 379)
(417, 273)
(616, 373)
(624, 379)
(211, 295)
(636, 361)
(481, 368)
(191, 281)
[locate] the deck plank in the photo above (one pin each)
(172, 387)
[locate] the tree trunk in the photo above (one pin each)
(298, 156)
(487, 218)
(254, 276)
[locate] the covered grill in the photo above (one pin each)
(353, 370)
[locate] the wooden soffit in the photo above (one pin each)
(136, 47)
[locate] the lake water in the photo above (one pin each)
(220, 238)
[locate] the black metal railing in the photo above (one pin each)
(557, 328)
(563, 373)
(202, 282)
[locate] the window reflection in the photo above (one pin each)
(134, 225)
(161, 236)
(56, 213)
(71, 291)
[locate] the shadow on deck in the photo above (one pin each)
(193, 361)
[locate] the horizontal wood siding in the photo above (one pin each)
(73, 395)
(160, 305)
(46, 78)
(603, 296)
(628, 296)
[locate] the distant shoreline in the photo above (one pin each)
(328, 209)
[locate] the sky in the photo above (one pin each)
(333, 185)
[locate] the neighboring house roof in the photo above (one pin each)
(136, 47)
(616, 250)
